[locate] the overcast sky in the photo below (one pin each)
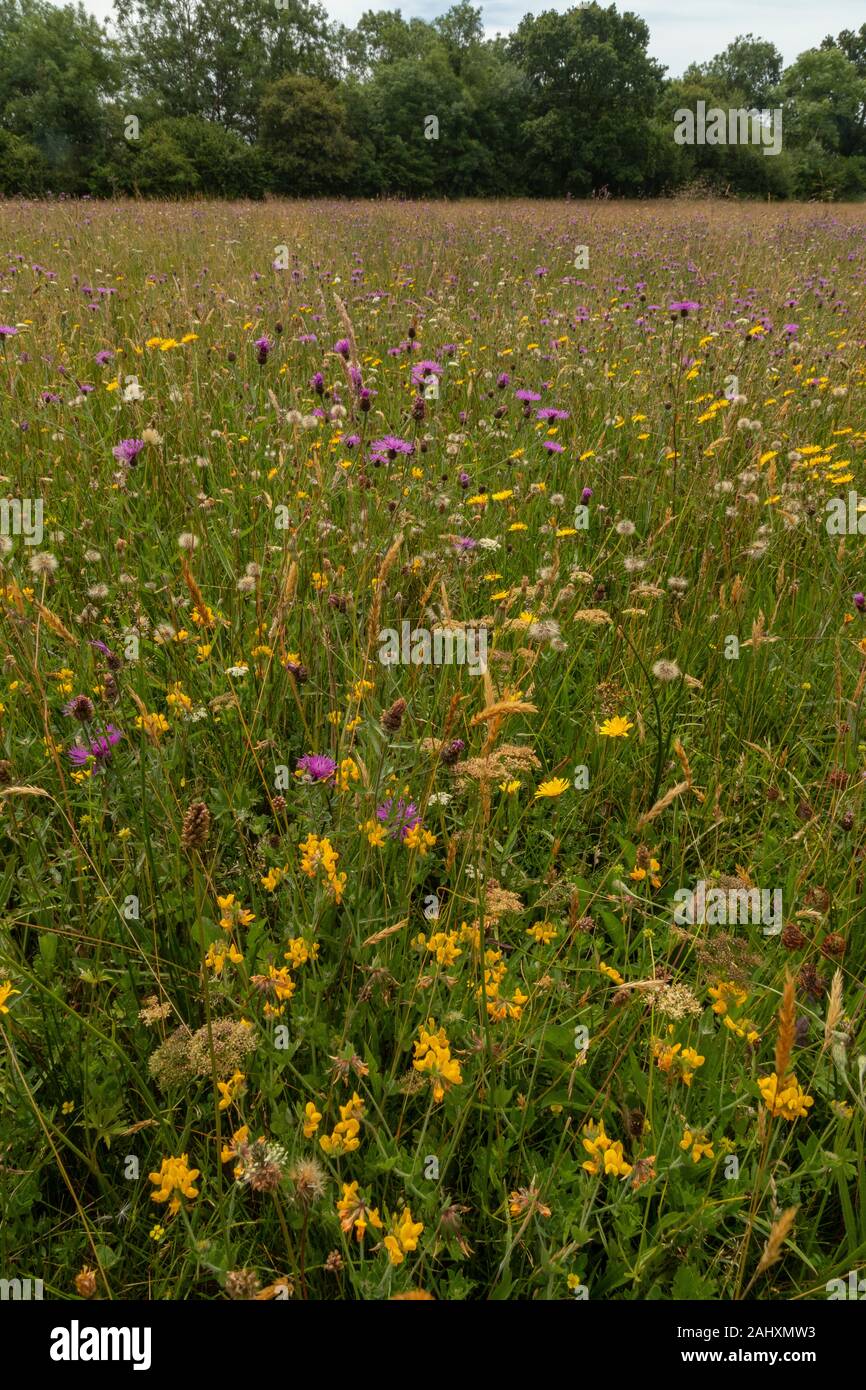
(681, 31)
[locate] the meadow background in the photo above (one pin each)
(242, 1055)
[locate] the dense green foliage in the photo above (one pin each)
(245, 97)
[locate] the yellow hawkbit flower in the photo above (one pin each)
(6, 992)
(617, 727)
(554, 787)
(174, 1180)
(510, 787)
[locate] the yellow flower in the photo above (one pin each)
(174, 1180)
(617, 727)
(611, 974)
(6, 992)
(433, 1057)
(606, 1155)
(375, 832)
(343, 1139)
(273, 878)
(233, 915)
(510, 787)
(784, 1098)
(555, 787)
(313, 1120)
(403, 1238)
(353, 1211)
(154, 725)
(699, 1145)
(420, 839)
(544, 932)
(727, 994)
(230, 1090)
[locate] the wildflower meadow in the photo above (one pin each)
(433, 646)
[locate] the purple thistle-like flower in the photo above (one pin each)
(549, 413)
(683, 307)
(421, 370)
(552, 447)
(262, 346)
(586, 494)
(343, 347)
(99, 748)
(7, 331)
(526, 396)
(503, 380)
(392, 445)
(317, 766)
(403, 817)
(860, 602)
(791, 330)
(464, 543)
(127, 450)
(317, 383)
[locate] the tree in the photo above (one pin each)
(214, 58)
(305, 137)
(592, 89)
(748, 70)
(57, 71)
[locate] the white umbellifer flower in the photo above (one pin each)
(439, 799)
(43, 562)
(489, 543)
(237, 672)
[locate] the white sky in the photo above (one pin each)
(682, 31)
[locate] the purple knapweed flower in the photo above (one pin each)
(317, 767)
(99, 748)
(127, 450)
(403, 817)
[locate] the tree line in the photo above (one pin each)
(242, 98)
